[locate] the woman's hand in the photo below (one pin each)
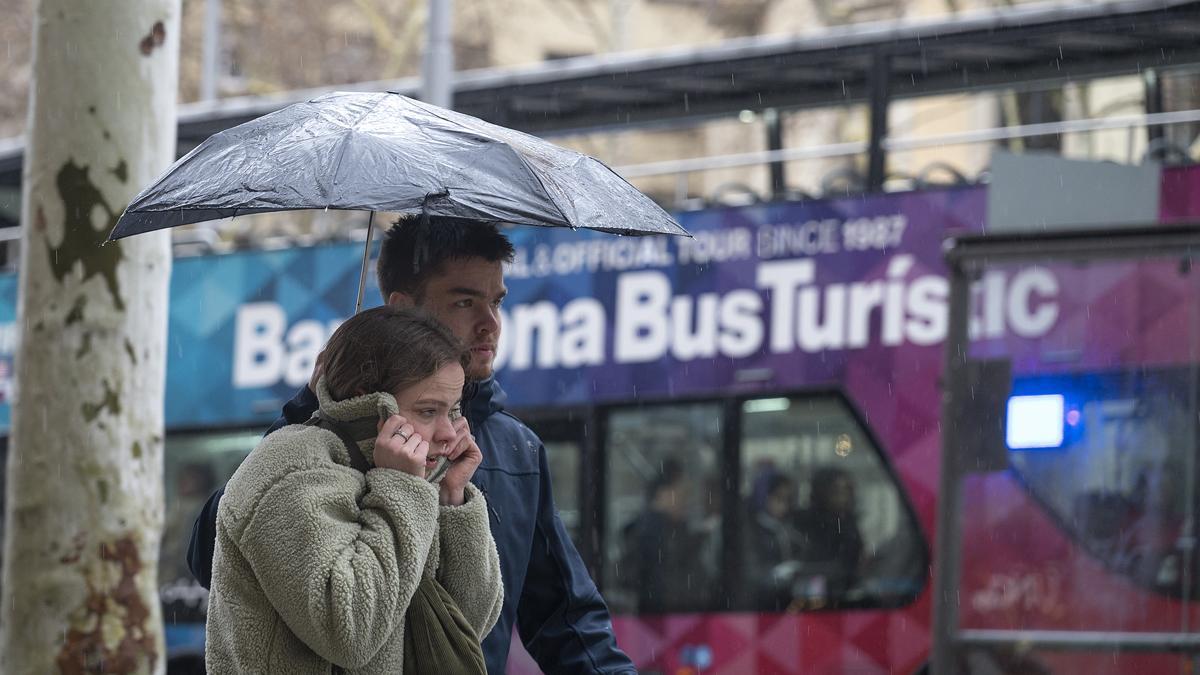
(464, 456)
(398, 446)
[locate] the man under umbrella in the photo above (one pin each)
(380, 151)
(452, 269)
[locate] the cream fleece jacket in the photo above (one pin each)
(316, 563)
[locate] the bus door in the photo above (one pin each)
(1069, 489)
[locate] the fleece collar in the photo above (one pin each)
(359, 415)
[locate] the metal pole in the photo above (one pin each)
(437, 67)
(949, 510)
(878, 85)
(1187, 539)
(1152, 82)
(212, 50)
(904, 144)
(362, 275)
(775, 142)
(1082, 641)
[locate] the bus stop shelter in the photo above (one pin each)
(1077, 448)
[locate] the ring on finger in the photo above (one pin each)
(401, 434)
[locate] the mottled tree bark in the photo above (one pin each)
(85, 458)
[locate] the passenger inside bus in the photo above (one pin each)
(774, 541)
(831, 544)
(809, 558)
(663, 552)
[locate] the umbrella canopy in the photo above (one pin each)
(386, 152)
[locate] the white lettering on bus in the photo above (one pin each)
(590, 256)
(822, 325)
(741, 325)
(263, 354)
(694, 337)
(782, 278)
(540, 319)
(926, 302)
(649, 321)
(839, 316)
(814, 237)
(864, 300)
(258, 350)
(715, 246)
(641, 331)
(582, 341)
(893, 308)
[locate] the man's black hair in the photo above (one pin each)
(416, 248)
(670, 474)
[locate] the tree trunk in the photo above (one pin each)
(84, 477)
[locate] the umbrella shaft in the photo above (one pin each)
(362, 275)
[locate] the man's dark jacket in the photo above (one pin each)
(560, 616)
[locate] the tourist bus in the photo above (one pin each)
(743, 430)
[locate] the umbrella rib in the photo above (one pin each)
(542, 185)
(346, 140)
(437, 112)
(670, 220)
(211, 140)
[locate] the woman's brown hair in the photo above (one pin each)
(387, 349)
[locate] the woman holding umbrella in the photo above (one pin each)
(356, 542)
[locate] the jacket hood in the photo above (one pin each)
(486, 399)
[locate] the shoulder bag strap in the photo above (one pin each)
(357, 460)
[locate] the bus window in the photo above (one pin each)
(826, 524)
(194, 466)
(563, 435)
(1118, 481)
(662, 543)
(563, 455)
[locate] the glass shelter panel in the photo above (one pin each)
(194, 466)
(662, 519)
(826, 525)
(1078, 508)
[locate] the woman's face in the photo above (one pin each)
(780, 501)
(841, 495)
(428, 404)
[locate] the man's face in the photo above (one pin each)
(465, 296)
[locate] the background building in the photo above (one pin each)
(270, 47)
